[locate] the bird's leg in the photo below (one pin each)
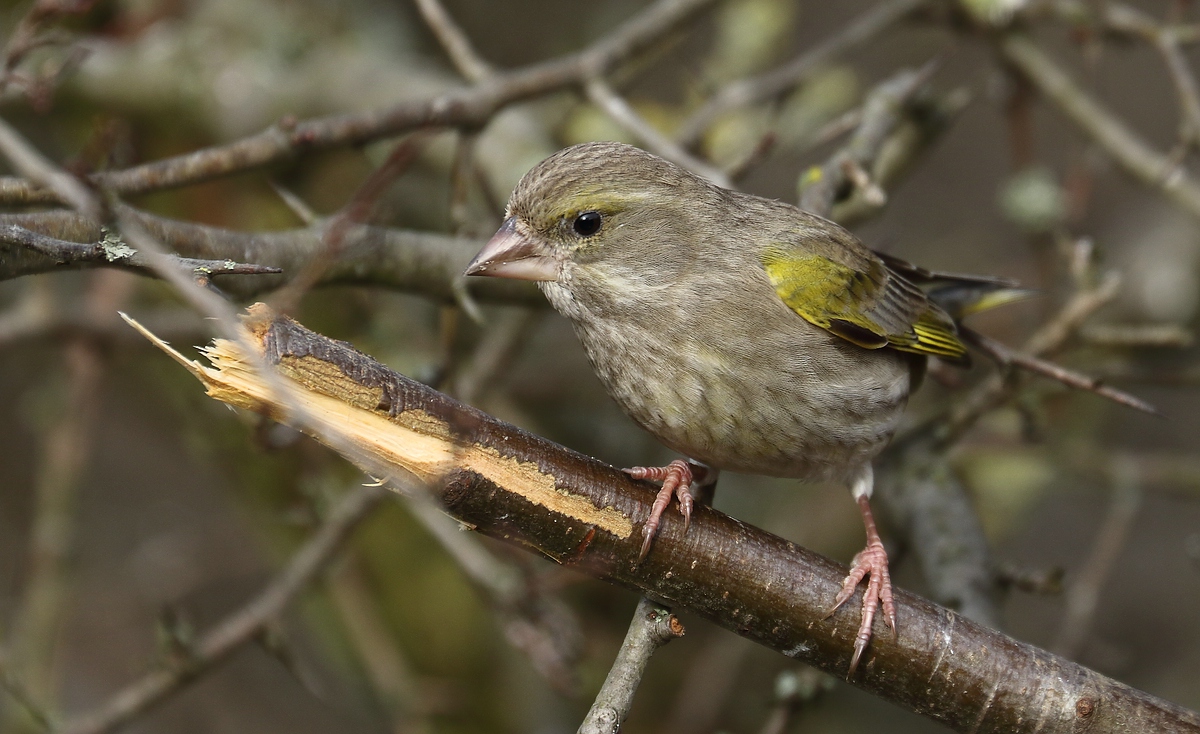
(677, 479)
(871, 561)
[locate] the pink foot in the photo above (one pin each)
(676, 479)
(871, 561)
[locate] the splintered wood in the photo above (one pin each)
(364, 422)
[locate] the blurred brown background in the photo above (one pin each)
(135, 511)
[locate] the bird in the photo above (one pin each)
(742, 332)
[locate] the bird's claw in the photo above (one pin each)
(871, 561)
(676, 479)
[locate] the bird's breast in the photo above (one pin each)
(743, 386)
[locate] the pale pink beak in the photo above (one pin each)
(509, 254)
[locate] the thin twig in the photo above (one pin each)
(455, 43)
(1134, 155)
(623, 114)
(38, 169)
(109, 252)
(354, 212)
(883, 112)
(782, 79)
(16, 690)
(652, 627)
(794, 689)
(711, 678)
(1052, 335)
(1166, 40)
(1007, 357)
(390, 674)
(240, 627)
(497, 348)
(1138, 336)
(39, 615)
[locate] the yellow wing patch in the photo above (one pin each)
(865, 307)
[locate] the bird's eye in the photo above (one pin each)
(587, 224)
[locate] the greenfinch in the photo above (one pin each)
(742, 332)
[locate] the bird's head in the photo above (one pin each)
(598, 206)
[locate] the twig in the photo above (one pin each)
(1138, 336)
(1049, 337)
(1007, 357)
(712, 676)
(1129, 151)
(353, 213)
(652, 627)
(1048, 581)
(883, 112)
(16, 690)
(782, 79)
(108, 252)
(623, 114)
(240, 627)
(455, 43)
(497, 348)
(38, 169)
(1083, 597)
(1166, 40)
(470, 107)
(427, 263)
(389, 672)
(461, 174)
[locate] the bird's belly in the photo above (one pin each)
(756, 407)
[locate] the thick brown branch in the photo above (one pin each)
(525, 490)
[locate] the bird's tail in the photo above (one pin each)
(958, 294)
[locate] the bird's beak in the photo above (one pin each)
(509, 254)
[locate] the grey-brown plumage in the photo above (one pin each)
(740, 331)
(687, 332)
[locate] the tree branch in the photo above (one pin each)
(509, 484)
(419, 262)
(46, 254)
(651, 628)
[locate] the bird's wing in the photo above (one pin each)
(862, 300)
